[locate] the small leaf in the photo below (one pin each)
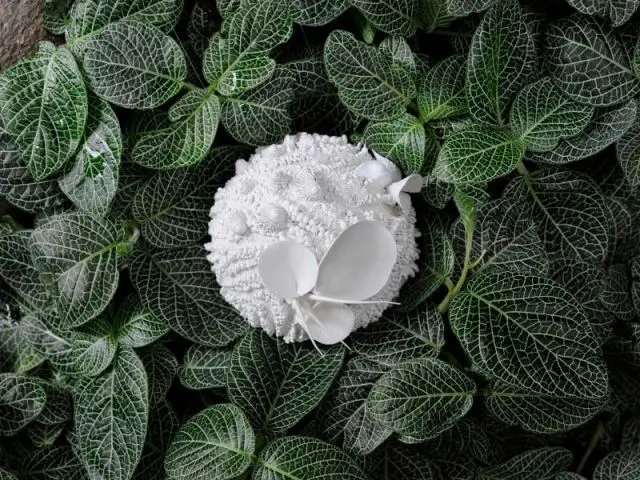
(303, 457)
(367, 82)
(421, 398)
(501, 61)
(442, 91)
(93, 180)
(21, 401)
(78, 260)
(216, 443)
(135, 325)
(315, 13)
(56, 16)
(587, 62)
(161, 367)
(623, 465)
(628, 153)
(205, 367)
(111, 418)
(186, 141)
(134, 65)
(395, 17)
(618, 11)
(237, 59)
(401, 139)
(540, 464)
(477, 154)
(178, 287)
(542, 116)
(93, 348)
(45, 109)
(293, 380)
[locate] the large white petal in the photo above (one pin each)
(359, 262)
(329, 323)
(288, 269)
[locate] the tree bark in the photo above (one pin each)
(21, 27)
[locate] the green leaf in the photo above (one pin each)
(21, 401)
(631, 434)
(172, 208)
(500, 63)
(400, 53)
(540, 412)
(368, 83)
(435, 14)
(205, 367)
(135, 325)
(421, 398)
(52, 464)
(587, 61)
(462, 8)
(303, 457)
(314, 13)
(344, 417)
(134, 65)
(542, 116)
(4, 475)
(93, 180)
(260, 116)
(395, 17)
(442, 91)
(402, 463)
(623, 465)
(163, 426)
(94, 347)
(88, 18)
(178, 287)
(78, 260)
(55, 17)
(17, 352)
(540, 464)
(618, 11)
(18, 186)
(237, 58)
(216, 443)
(628, 153)
(607, 126)
(132, 177)
(399, 337)
(402, 139)
(553, 197)
(477, 154)
(58, 407)
(523, 330)
(45, 109)
(276, 384)
(161, 367)
(111, 418)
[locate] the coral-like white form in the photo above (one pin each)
(308, 189)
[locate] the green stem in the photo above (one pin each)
(449, 284)
(190, 86)
(444, 306)
(522, 170)
(597, 435)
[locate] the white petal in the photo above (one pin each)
(374, 172)
(359, 262)
(389, 166)
(329, 323)
(241, 166)
(288, 269)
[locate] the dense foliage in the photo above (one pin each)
(515, 352)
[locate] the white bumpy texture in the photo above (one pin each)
(303, 189)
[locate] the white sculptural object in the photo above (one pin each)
(313, 237)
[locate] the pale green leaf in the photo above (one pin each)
(618, 11)
(395, 17)
(305, 458)
(501, 61)
(421, 398)
(344, 417)
(93, 180)
(607, 126)
(237, 58)
(54, 463)
(45, 109)
(21, 400)
(541, 115)
(442, 90)
(587, 61)
(293, 380)
(77, 257)
(134, 65)
(205, 367)
(477, 154)
(540, 464)
(623, 465)
(401, 139)
(111, 414)
(135, 325)
(161, 367)
(398, 337)
(93, 347)
(216, 443)
(529, 332)
(178, 287)
(368, 83)
(628, 153)
(315, 13)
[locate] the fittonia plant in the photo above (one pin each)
(510, 352)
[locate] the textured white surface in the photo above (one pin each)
(306, 189)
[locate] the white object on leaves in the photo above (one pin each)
(356, 267)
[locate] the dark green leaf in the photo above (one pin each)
(402, 139)
(618, 11)
(461, 8)
(623, 465)
(442, 91)
(163, 425)
(94, 347)
(397, 462)
(53, 464)
(21, 401)
(540, 464)
(628, 153)
(135, 325)
(205, 367)
(395, 17)
(317, 12)
(161, 367)
(55, 17)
